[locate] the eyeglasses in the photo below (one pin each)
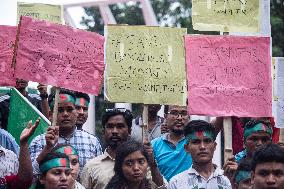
(176, 113)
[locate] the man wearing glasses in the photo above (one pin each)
(169, 151)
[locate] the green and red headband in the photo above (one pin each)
(63, 98)
(68, 150)
(198, 134)
(242, 175)
(81, 102)
(53, 163)
(257, 128)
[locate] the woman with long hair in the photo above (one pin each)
(131, 164)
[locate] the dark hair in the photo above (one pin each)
(244, 165)
(123, 150)
(83, 95)
(118, 111)
(166, 109)
(62, 91)
(199, 125)
(268, 153)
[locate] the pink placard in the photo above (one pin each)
(7, 41)
(60, 56)
(229, 76)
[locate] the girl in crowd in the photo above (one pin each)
(74, 161)
(55, 172)
(131, 164)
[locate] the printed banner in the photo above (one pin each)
(21, 112)
(60, 56)
(51, 13)
(7, 41)
(229, 76)
(278, 99)
(145, 65)
(226, 15)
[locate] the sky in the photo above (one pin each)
(8, 10)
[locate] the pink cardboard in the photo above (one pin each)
(7, 41)
(229, 76)
(60, 56)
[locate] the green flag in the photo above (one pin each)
(21, 112)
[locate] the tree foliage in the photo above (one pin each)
(177, 13)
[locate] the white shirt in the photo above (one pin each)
(191, 179)
(9, 163)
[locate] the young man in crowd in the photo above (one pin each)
(268, 168)
(82, 104)
(116, 130)
(200, 143)
(169, 151)
(85, 144)
(154, 124)
(256, 134)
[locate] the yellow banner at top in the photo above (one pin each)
(145, 65)
(226, 15)
(51, 13)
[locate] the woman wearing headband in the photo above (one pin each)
(72, 154)
(55, 172)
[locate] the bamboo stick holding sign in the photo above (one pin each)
(145, 123)
(55, 108)
(281, 136)
(228, 147)
(227, 123)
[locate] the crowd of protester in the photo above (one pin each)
(175, 152)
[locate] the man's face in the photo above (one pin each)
(21, 84)
(255, 140)
(116, 131)
(177, 118)
(67, 115)
(154, 108)
(82, 111)
(201, 149)
(268, 175)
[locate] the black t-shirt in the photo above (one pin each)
(5, 107)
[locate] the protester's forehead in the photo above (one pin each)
(62, 168)
(65, 104)
(134, 156)
(116, 119)
(270, 166)
(174, 107)
(259, 134)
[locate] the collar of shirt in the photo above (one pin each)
(167, 135)
(217, 172)
(106, 155)
(68, 139)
